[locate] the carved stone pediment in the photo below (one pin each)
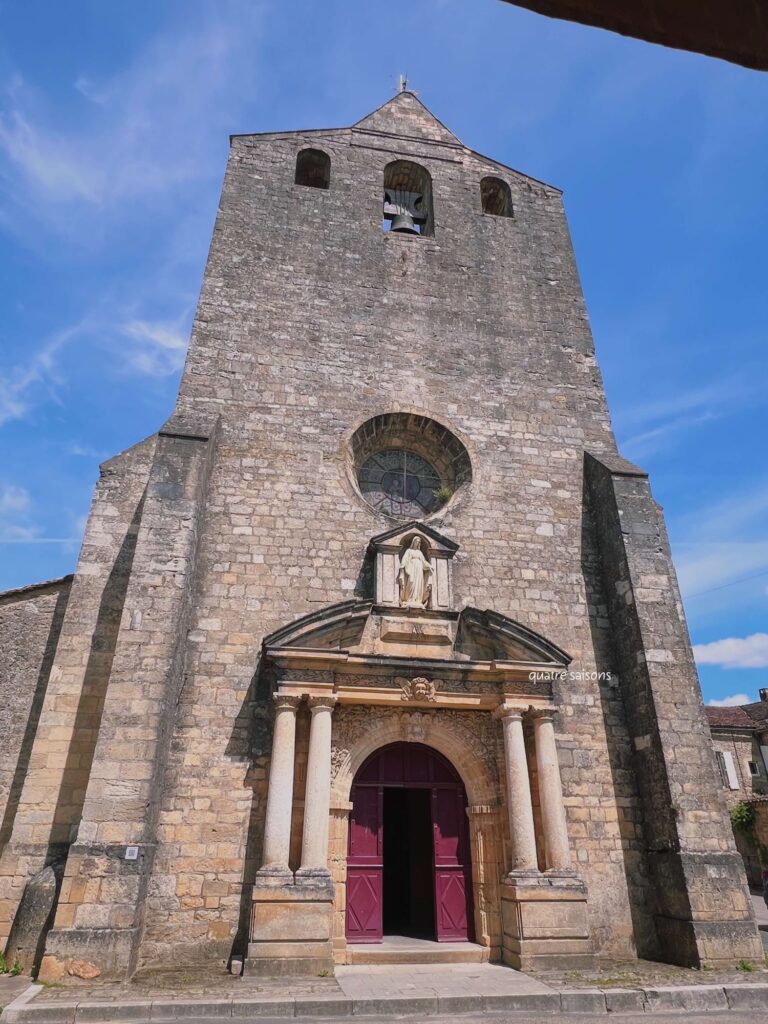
(404, 657)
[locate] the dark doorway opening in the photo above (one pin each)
(409, 907)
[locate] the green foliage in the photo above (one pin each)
(743, 818)
(443, 495)
(743, 822)
(745, 965)
(15, 968)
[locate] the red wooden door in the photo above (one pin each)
(410, 766)
(453, 912)
(365, 865)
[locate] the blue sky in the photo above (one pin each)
(113, 139)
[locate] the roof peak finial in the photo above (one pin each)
(403, 83)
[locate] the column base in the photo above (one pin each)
(544, 919)
(291, 927)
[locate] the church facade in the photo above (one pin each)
(378, 635)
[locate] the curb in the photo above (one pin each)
(586, 1000)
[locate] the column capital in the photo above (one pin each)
(285, 701)
(322, 701)
(505, 710)
(541, 714)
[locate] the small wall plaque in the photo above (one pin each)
(131, 853)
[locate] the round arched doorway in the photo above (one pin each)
(408, 859)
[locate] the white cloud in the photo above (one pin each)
(730, 702)
(671, 417)
(648, 441)
(13, 499)
(147, 130)
(15, 513)
(734, 652)
(705, 566)
(87, 88)
(85, 451)
(19, 382)
(156, 349)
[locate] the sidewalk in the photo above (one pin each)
(390, 990)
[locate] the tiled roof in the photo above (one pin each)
(729, 718)
(757, 711)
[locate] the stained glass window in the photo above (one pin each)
(400, 483)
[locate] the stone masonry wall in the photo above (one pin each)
(53, 789)
(702, 911)
(30, 621)
(311, 320)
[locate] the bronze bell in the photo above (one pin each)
(400, 208)
(403, 222)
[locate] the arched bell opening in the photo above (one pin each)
(409, 870)
(408, 199)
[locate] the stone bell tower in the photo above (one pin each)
(380, 592)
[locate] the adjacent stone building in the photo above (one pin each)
(740, 738)
(379, 634)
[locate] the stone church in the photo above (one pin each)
(378, 636)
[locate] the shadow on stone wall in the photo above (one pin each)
(251, 741)
(41, 687)
(30, 925)
(636, 868)
(90, 706)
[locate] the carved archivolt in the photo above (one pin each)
(469, 739)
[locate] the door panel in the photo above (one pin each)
(364, 866)
(453, 909)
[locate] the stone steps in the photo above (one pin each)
(417, 952)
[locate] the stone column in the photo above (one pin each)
(519, 806)
(277, 826)
(317, 799)
(550, 791)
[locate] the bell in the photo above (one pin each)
(403, 222)
(401, 209)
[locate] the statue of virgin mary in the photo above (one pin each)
(413, 577)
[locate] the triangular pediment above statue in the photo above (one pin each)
(400, 536)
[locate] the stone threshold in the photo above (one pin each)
(660, 999)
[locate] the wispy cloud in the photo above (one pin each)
(15, 511)
(647, 426)
(724, 543)
(734, 701)
(85, 451)
(147, 130)
(156, 349)
(18, 382)
(735, 652)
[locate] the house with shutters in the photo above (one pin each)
(740, 739)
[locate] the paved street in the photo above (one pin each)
(509, 1018)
